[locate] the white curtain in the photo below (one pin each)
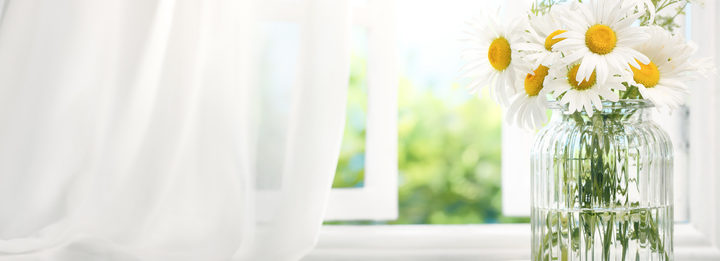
(136, 130)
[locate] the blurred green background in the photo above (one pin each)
(449, 140)
(448, 153)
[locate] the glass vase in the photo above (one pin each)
(602, 186)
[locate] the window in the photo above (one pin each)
(448, 159)
(371, 194)
(486, 183)
(370, 171)
(366, 185)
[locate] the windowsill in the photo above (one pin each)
(462, 242)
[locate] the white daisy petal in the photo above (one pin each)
(588, 64)
(596, 101)
(574, 57)
(482, 31)
(602, 70)
(670, 55)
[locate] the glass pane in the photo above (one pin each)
(450, 145)
(350, 170)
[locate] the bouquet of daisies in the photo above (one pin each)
(581, 53)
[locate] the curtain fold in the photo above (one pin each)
(313, 137)
(128, 131)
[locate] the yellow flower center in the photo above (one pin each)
(647, 75)
(585, 84)
(499, 54)
(600, 39)
(534, 83)
(549, 41)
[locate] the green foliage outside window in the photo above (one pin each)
(448, 154)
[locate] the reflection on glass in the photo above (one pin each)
(350, 172)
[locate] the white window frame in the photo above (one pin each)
(698, 239)
(516, 145)
(377, 199)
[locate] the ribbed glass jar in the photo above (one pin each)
(602, 186)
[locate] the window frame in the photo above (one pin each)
(696, 239)
(377, 199)
(516, 146)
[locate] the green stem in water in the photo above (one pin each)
(597, 189)
(632, 92)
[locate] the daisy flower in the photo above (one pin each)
(582, 95)
(600, 36)
(490, 59)
(538, 40)
(662, 79)
(528, 107)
